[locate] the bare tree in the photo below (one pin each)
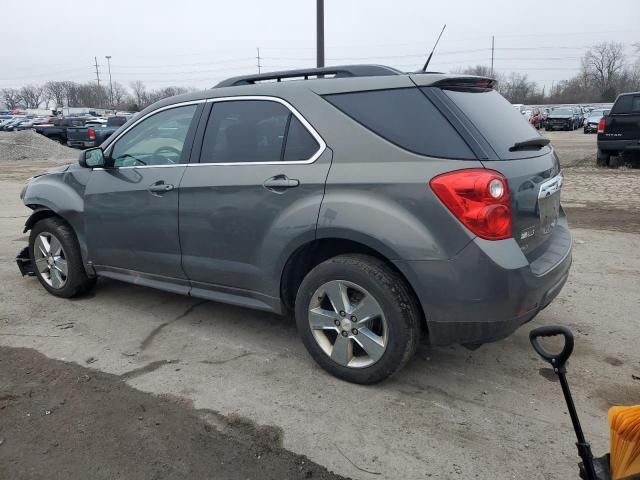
(92, 95)
(602, 63)
(119, 93)
(518, 89)
(11, 96)
(57, 91)
(71, 94)
(31, 95)
(140, 95)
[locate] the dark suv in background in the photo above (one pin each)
(381, 207)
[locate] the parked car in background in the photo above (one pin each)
(12, 124)
(561, 118)
(579, 117)
(619, 131)
(593, 119)
(43, 121)
(92, 135)
(24, 125)
(536, 119)
(262, 193)
(58, 130)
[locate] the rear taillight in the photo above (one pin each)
(92, 134)
(479, 198)
(601, 125)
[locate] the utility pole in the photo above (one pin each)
(97, 72)
(493, 38)
(258, 58)
(320, 33)
(108, 57)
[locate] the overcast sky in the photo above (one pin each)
(198, 43)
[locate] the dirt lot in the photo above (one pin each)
(494, 413)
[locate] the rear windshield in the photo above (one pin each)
(496, 119)
(626, 104)
(116, 121)
(406, 118)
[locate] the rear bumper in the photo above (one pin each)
(24, 263)
(619, 146)
(80, 144)
(486, 292)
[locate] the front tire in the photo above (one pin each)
(55, 255)
(358, 318)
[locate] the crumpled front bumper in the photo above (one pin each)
(24, 263)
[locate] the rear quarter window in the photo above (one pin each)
(406, 118)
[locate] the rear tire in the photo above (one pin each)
(55, 256)
(602, 158)
(375, 349)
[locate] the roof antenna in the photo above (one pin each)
(426, 64)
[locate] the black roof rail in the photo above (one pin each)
(334, 72)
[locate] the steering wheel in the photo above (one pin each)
(162, 151)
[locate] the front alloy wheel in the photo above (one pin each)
(55, 254)
(51, 260)
(348, 324)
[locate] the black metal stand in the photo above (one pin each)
(558, 361)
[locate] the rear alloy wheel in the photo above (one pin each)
(348, 324)
(55, 255)
(358, 318)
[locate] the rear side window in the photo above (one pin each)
(242, 131)
(406, 118)
(496, 119)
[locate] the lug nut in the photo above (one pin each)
(353, 318)
(337, 322)
(344, 333)
(342, 313)
(354, 331)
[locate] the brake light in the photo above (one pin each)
(92, 134)
(479, 198)
(601, 125)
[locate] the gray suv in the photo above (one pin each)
(381, 207)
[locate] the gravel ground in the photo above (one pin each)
(26, 145)
(98, 427)
(493, 413)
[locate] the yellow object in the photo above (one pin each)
(624, 423)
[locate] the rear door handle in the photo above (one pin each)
(280, 182)
(160, 187)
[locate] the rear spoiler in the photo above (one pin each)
(465, 82)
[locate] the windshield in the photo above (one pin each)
(596, 114)
(562, 111)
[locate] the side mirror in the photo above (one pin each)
(92, 158)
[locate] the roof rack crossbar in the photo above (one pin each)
(335, 72)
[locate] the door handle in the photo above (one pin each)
(160, 187)
(280, 182)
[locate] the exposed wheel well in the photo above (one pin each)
(38, 214)
(305, 258)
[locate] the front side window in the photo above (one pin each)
(242, 131)
(157, 140)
